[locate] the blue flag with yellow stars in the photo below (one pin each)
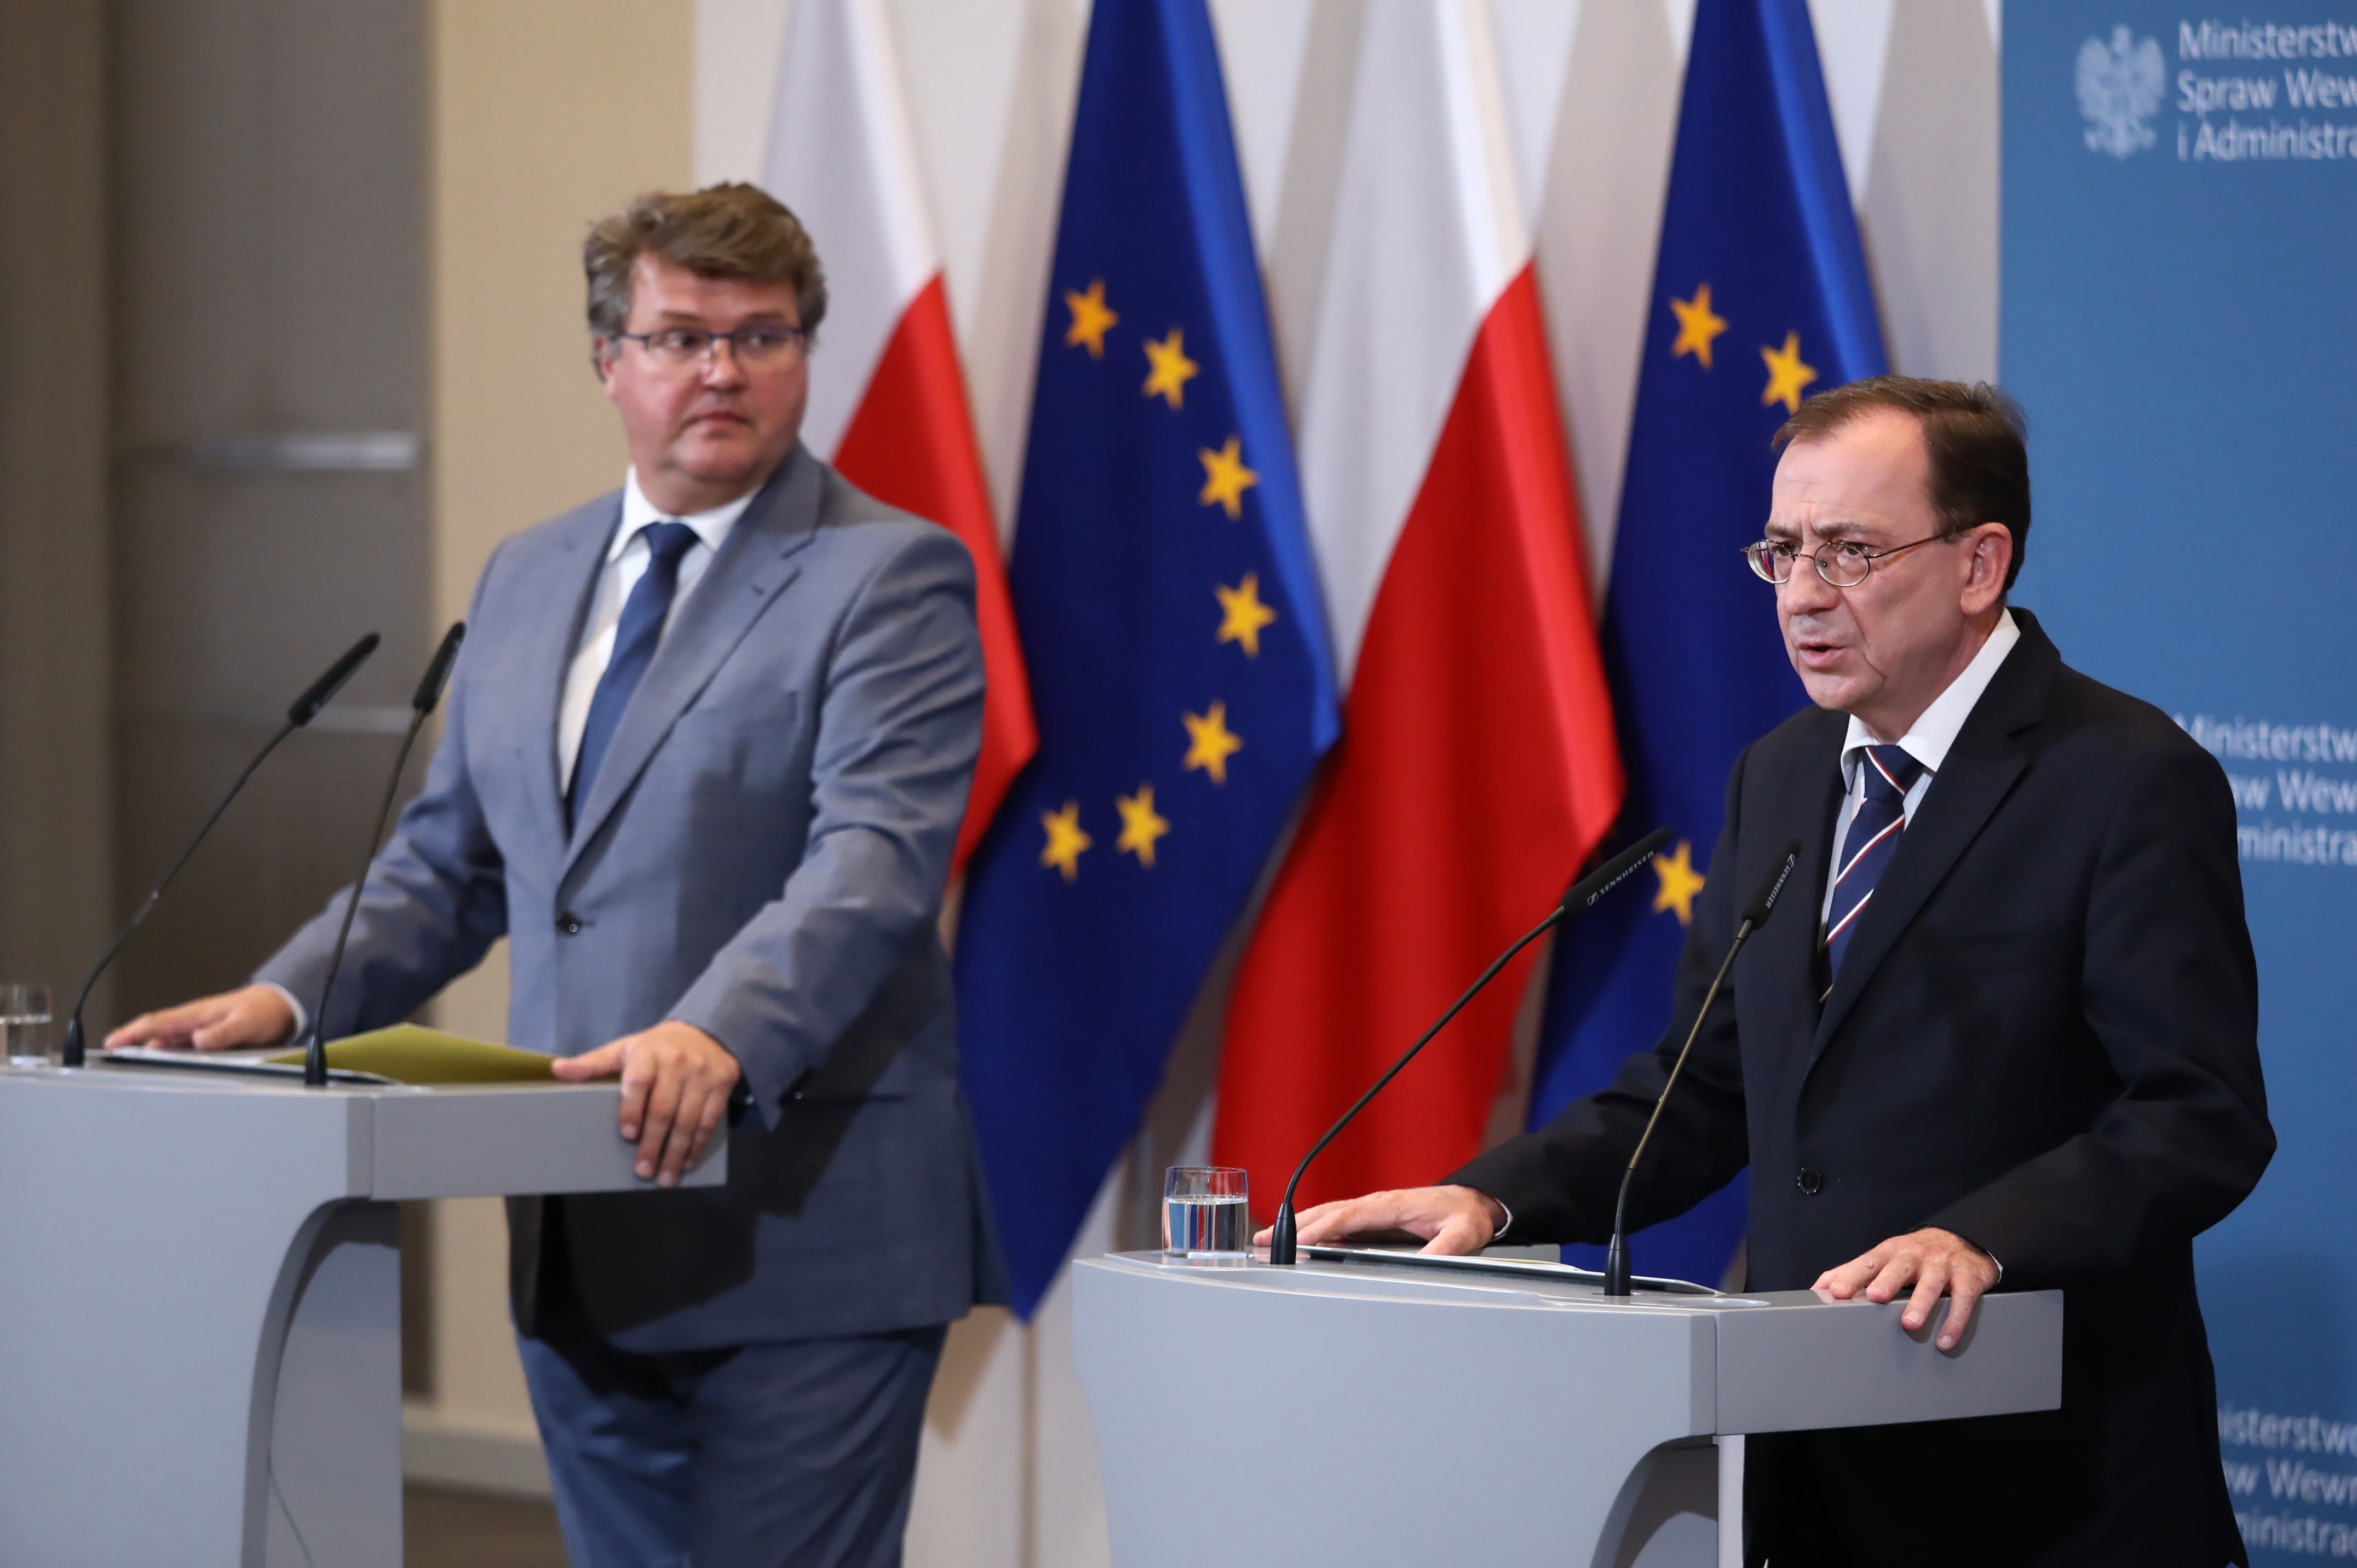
(1761, 296)
(1170, 620)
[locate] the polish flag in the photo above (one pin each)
(1477, 768)
(887, 404)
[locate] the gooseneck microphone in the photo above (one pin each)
(1575, 903)
(1755, 915)
(422, 706)
(305, 709)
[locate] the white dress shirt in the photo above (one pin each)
(1927, 741)
(626, 562)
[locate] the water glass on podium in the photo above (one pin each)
(1206, 1214)
(25, 1024)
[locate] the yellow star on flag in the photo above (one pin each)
(1225, 477)
(1243, 616)
(1140, 824)
(1786, 374)
(1172, 369)
(1065, 840)
(1679, 881)
(1210, 742)
(1697, 325)
(1092, 319)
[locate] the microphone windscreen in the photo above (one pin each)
(1605, 877)
(323, 689)
(1771, 885)
(438, 673)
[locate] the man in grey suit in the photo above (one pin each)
(706, 758)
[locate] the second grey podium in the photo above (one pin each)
(1364, 1409)
(200, 1305)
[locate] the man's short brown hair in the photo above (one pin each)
(721, 231)
(1974, 435)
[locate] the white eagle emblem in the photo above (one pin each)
(2120, 84)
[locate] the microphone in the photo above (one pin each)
(305, 709)
(322, 691)
(1575, 903)
(1755, 915)
(422, 706)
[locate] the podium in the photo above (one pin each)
(200, 1299)
(1362, 1409)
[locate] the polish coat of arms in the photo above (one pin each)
(2120, 87)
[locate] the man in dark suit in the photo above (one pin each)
(706, 753)
(2016, 1048)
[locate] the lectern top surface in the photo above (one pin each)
(1517, 1284)
(197, 1077)
(203, 1076)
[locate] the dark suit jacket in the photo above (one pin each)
(762, 855)
(2043, 1038)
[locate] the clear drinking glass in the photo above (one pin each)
(1206, 1213)
(25, 1024)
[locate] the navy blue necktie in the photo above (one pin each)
(635, 636)
(1872, 840)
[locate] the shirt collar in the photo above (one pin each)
(712, 527)
(1931, 735)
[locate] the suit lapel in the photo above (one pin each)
(752, 567)
(544, 654)
(1978, 774)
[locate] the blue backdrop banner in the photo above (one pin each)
(2180, 214)
(1759, 298)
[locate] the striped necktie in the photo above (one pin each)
(1873, 838)
(635, 636)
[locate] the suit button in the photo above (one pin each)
(1812, 1181)
(568, 924)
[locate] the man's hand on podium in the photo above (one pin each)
(251, 1015)
(676, 1080)
(1452, 1220)
(1935, 1262)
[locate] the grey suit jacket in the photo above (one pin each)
(762, 855)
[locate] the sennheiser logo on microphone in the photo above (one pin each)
(1616, 881)
(1615, 872)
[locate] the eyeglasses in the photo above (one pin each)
(1843, 564)
(762, 344)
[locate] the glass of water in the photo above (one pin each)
(25, 1024)
(1206, 1213)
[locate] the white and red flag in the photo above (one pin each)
(888, 403)
(1478, 767)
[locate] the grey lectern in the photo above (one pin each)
(1360, 1410)
(200, 1300)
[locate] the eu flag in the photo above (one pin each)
(1761, 296)
(1170, 618)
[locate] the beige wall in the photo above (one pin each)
(546, 114)
(54, 772)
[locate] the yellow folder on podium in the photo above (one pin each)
(408, 1054)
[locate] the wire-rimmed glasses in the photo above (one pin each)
(1843, 564)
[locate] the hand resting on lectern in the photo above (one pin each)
(676, 1080)
(232, 1020)
(1936, 1262)
(1452, 1220)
